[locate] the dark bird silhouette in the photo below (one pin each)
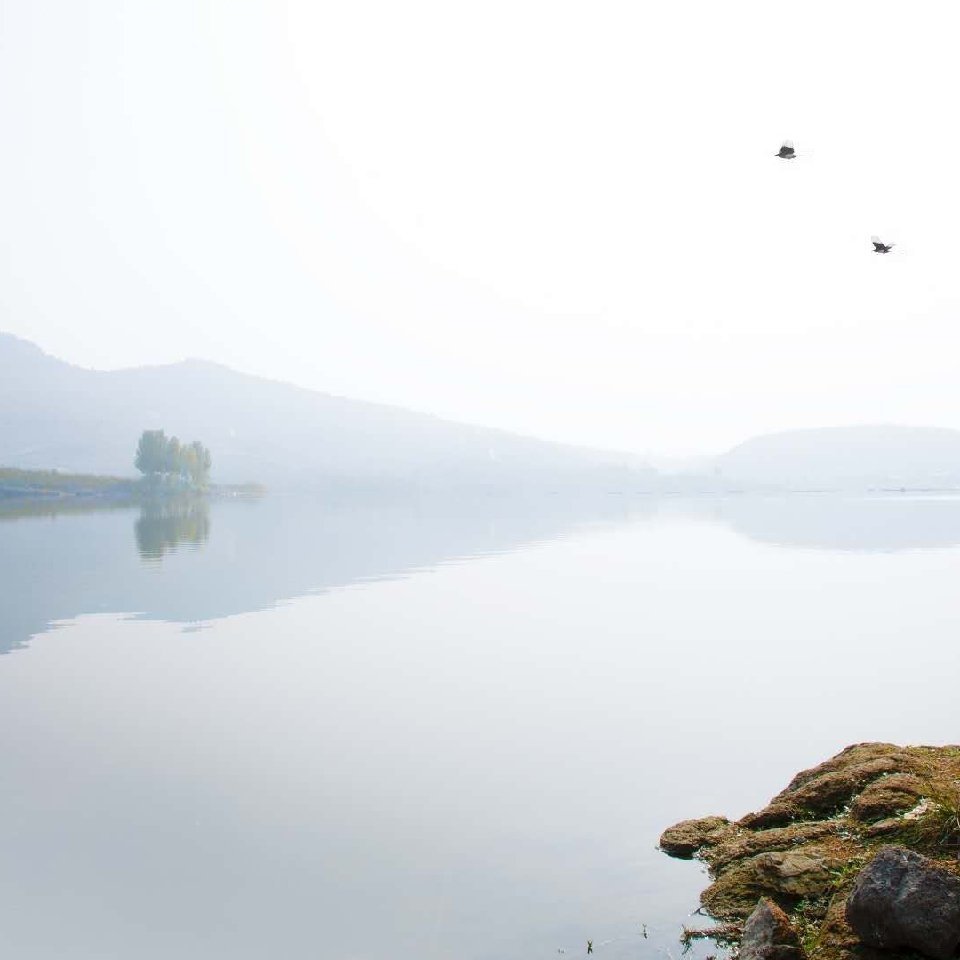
(589, 946)
(786, 151)
(879, 247)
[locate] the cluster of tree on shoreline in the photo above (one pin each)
(160, 457)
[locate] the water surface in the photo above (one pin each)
(434, 728)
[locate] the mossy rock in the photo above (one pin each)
(807, 846)
(888, 796)
(748, 843)
(850, 756)
(684, 839)
(823, 794)
(786, 877)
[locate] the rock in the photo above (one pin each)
(850, 756)
(887, 797)
(795, 874)
(902, 899)
(748, 843)
(805, 849)
(882, 828)
(785, 876)
(829, 791)
(768, 935)
(775, 814)
(684, 839)
(824, 790)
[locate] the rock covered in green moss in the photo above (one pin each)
(786, 877)
(822, 791)
(739, 844)
(887, 797)
(684, 839)
(804, 850)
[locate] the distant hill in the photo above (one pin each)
(846, 458)
(57, 416)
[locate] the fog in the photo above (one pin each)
(559, 219)
(441, 445)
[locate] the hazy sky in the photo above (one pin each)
(561, 218)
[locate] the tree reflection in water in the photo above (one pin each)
(162, 526)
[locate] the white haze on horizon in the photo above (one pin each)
(562, 219)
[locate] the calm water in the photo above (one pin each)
(434, 729)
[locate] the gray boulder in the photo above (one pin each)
(902, 899)
(768, 935)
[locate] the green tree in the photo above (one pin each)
(151, 455)
(159, 455)
(198, 463)
(173, 458)
(188, 463)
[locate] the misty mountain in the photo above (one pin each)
(845, 458)
(56, 415)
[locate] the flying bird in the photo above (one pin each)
(879, 247)
(786, 151)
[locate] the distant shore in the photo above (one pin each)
(53, 485)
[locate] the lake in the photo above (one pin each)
(397, 728)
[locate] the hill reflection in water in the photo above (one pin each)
(829, 522)
(192, 562)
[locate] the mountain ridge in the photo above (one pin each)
(874, 454)
(57, 415)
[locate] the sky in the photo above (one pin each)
(564, 219)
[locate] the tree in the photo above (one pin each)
(188, 463)
(158, 455)
(151, 455)
(198, 461)
(172, 462)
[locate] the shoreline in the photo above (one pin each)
(796, 865)
(51, 486)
